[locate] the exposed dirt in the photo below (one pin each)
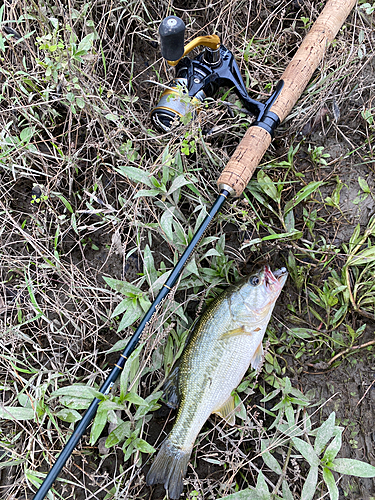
(63, 341)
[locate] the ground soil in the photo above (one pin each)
(348, 388)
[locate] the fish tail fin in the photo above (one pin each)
(169, 468)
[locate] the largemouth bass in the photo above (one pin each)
(226, 340)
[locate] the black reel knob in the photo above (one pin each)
(172, 34)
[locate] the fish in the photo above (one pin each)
(226, 340)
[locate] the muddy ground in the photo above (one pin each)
(57, 318)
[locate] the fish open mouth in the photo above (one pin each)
(274, 278)
(280, 273)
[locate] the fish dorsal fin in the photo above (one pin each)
(256, 360)
(171, 394)
(226, 411)
(239, 331)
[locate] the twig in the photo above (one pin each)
(353, 348)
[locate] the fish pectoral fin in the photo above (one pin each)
(233, 333)
(236, 331)
(226, 411)
(171, 394)
(256, 360)
(242, 330)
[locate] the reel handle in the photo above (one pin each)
(255, 142)
(172, 35)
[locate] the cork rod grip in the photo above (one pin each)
(255, 142)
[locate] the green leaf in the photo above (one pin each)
(132, 397)
(86, 43)
(149, 266)
(324, 433)
(302, 195)
(119, 434)
(270, 396)
(309, 487)
(294, 235)
(302, 333)
(147, 192)
(144, 303)
(150, 404)
(191, 268)
(262, 488)
(307, 451)
(254, 189)
(118, 346)
(24, 400)
(269, 459)
(75, 403)
(73, 221)
(143, 446)
(289, 413)
(32, 476)
(247, 494)
(135, 174)
(66, 203)
(365, 257)
(354, 237)
(334, 447)
(352, 467)
(26, 134)
(290, 221)
(107, 405)
(67, 415)
(166, 224)
(287, 494)
(78, 391)
(80, 102)
(240, 407)
(123, 287)
(177, 183)
(331, 484)
(155, 182)
(112, 118)
(127, 451)
(179, 235)
(267, 185)
(2, 41)
(98, 425)
(122, 306)
(157, 285)
(130, 369)
(363, 185)
(132, 314)
(16, 413)
(210, 253)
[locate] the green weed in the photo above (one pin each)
(118, 204)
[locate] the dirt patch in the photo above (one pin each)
(76, 150)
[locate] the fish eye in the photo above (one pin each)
(254, 280)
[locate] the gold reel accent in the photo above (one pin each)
(210, 41)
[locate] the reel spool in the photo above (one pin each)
(197, 78)
(172, 107)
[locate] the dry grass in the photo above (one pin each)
(68, 123)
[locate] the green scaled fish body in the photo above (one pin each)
(226, 340)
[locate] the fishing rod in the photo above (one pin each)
(200, 78)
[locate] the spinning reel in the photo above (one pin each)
(201, 77)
